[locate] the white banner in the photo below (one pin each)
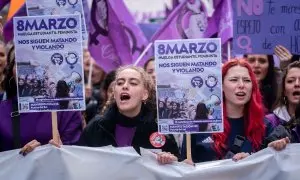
(80, 163)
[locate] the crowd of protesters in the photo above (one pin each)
(122, 111)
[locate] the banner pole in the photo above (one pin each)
(188, 147)
(91, 67)
(55, 134)
(228, 50)
(143, 54)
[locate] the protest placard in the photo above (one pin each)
(58, 7)
(48, 53)
(189, 86)
(260, 25)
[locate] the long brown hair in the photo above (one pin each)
(281, 100)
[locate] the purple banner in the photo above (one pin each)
(260, 25)
(187, 21)
(226, 21)
(8, 30)
(3, 3)
(149, 29)
(115, 38)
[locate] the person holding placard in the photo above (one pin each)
(94, 77)
(2, 65)
(106, 92)
(29, 130)
(285, 56)
(267, 77)
(288, 99)
(244, 125)
(130, 119)
(150, 68)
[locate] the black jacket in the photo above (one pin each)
(101, 132)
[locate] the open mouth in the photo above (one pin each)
(296, 93)
(125, 97)
(240, 94)
(256, 72)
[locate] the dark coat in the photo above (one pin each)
(101, 132)
(202, 144)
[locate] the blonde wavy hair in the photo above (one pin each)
(148, 83)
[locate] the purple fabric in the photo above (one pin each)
(149, 29)
(168, 29)
(38, 126)
(8, 32)
(124, 135)
(175, 3)
(274, 120)
(168, 11)
(3, 3)
(226, 21)
(181, 24)
(137, 39)
(121, 39)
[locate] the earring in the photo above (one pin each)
(284, 100)
(144, 102)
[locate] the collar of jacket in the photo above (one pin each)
(282, 113)
(109, 119)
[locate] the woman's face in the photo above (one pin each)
(174, 106)
(52, 85)
(130, 92)
(110, 90)
(191, 107)
(192, 111)
(29, 80)
(185, 107)
(35, 83)
(103, 14)
(169, 104)
(161, 104)
(259, 65)
(97, 74)
(150, 69)
(292, 86)
(237, 86)
(21, 82)
(2, 59)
